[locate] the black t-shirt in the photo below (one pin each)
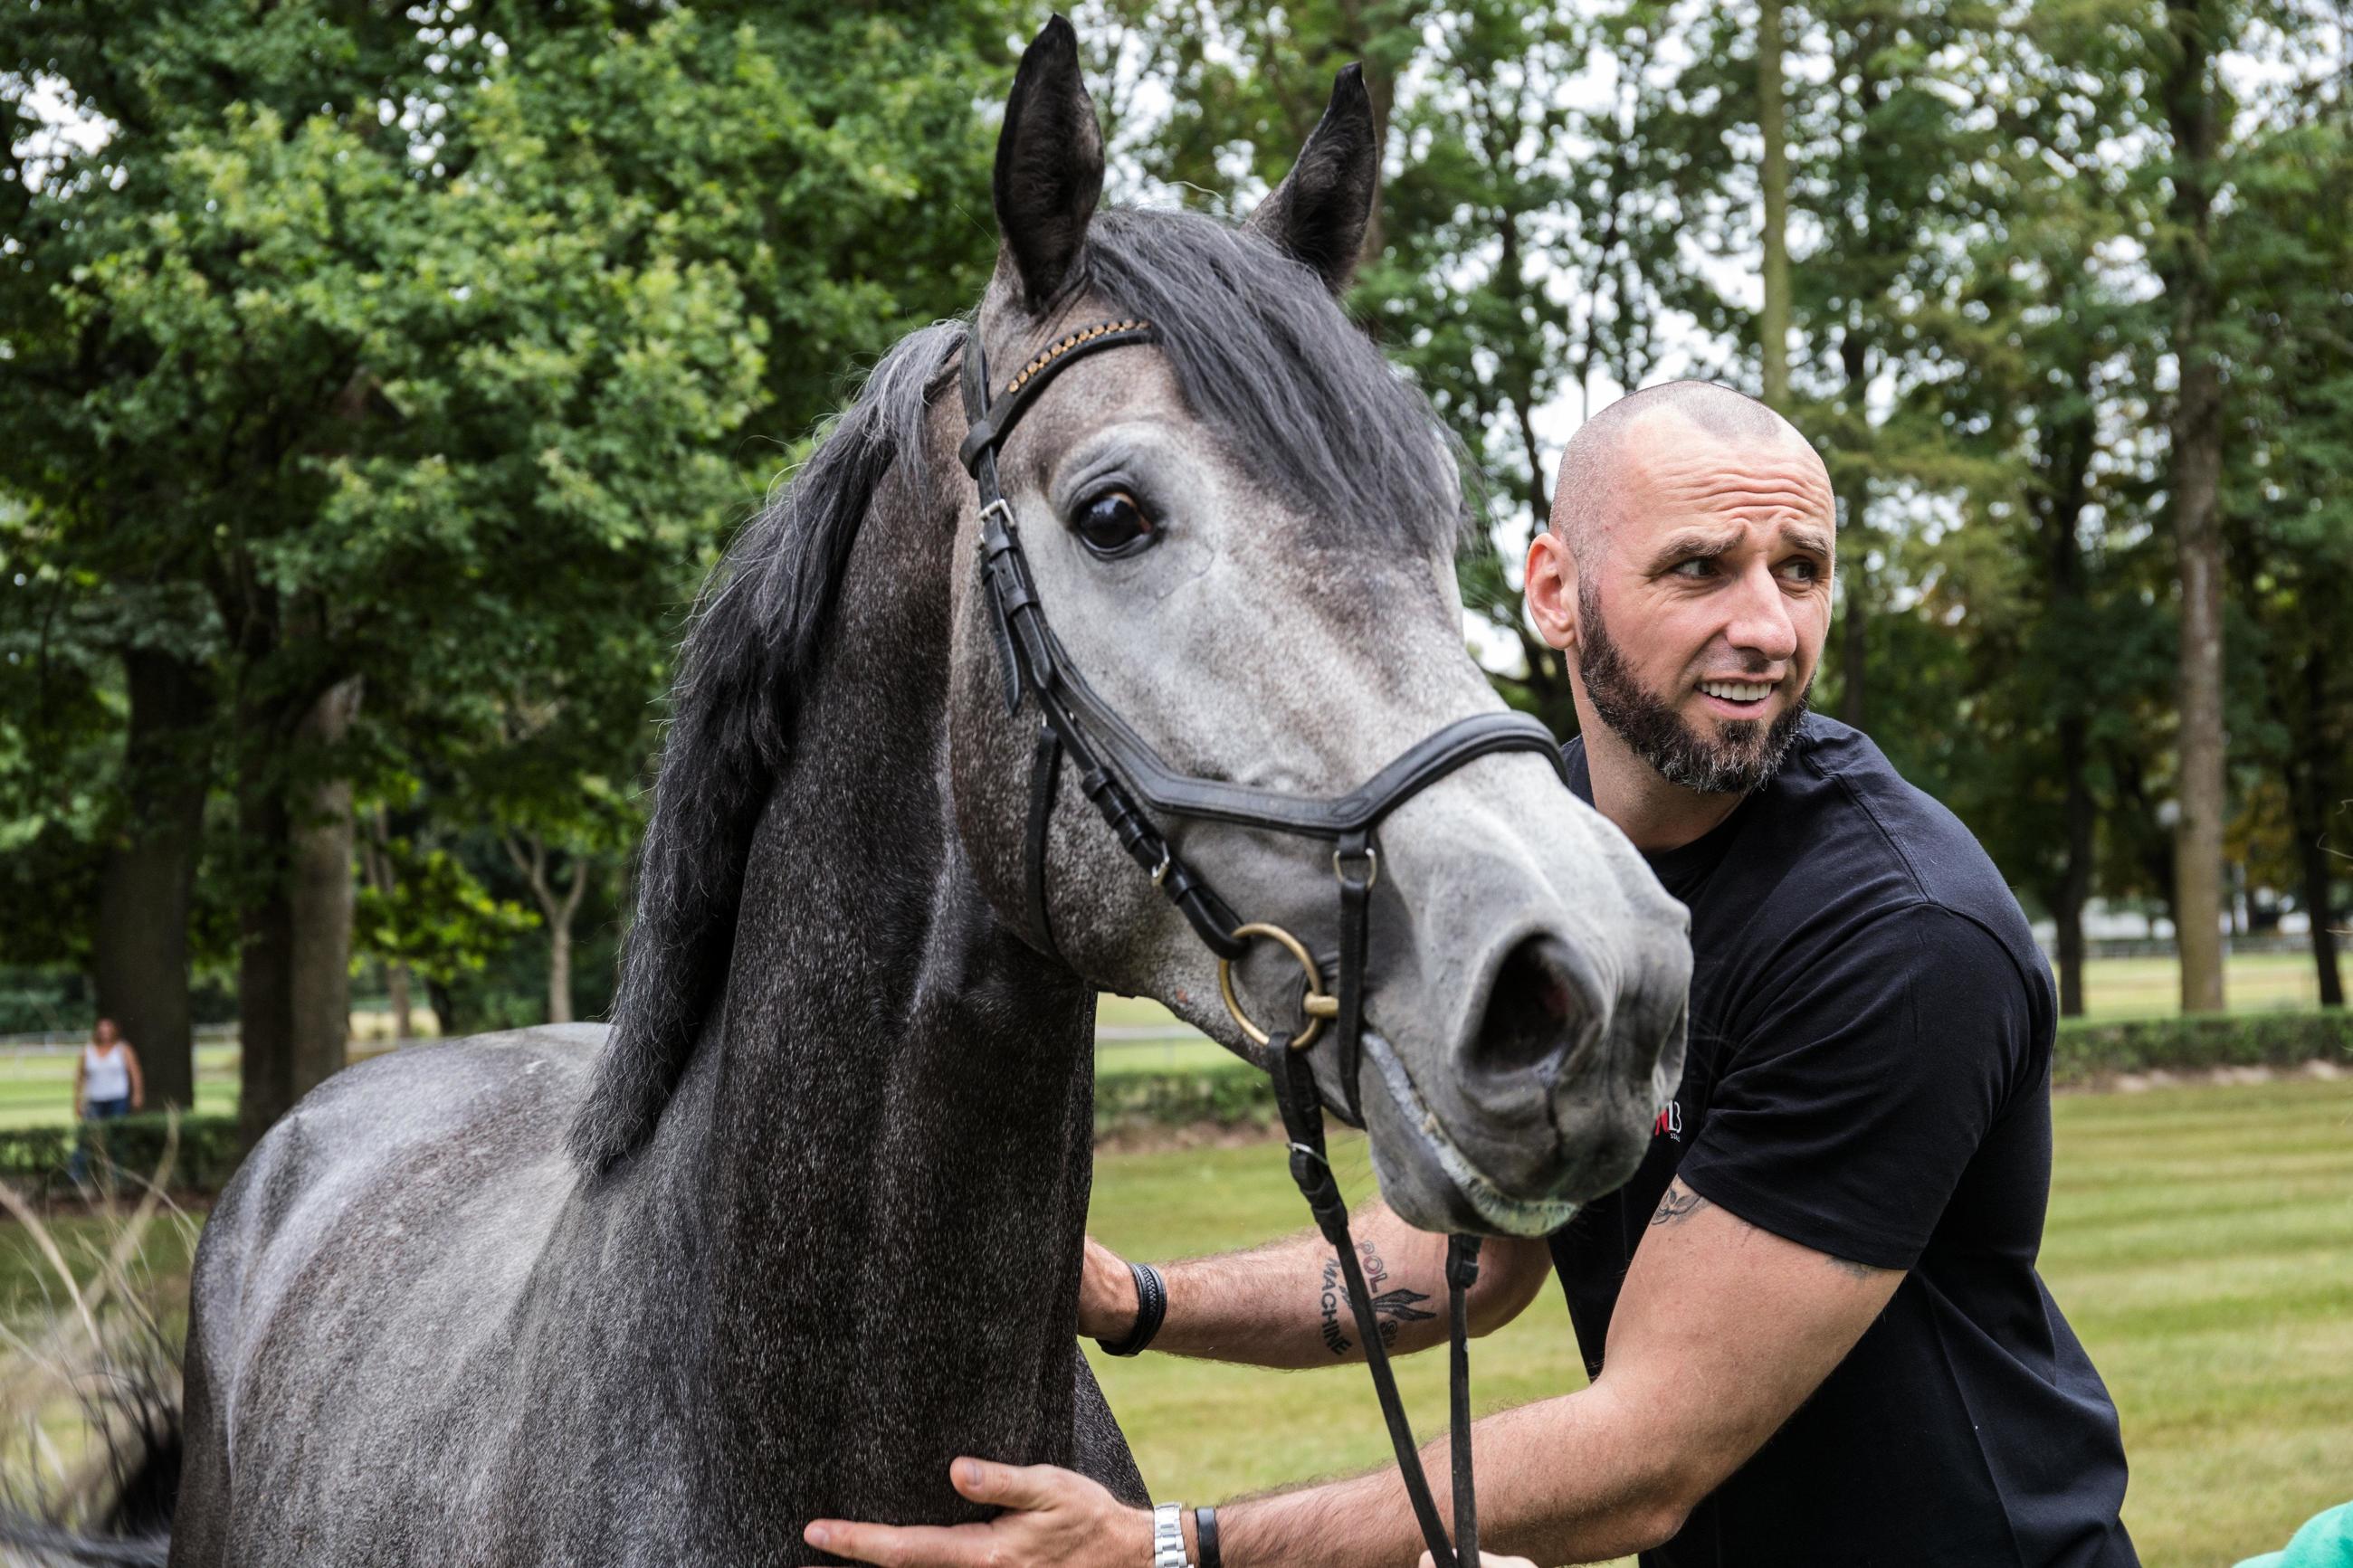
(1869, 1075)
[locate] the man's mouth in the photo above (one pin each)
(1737, 698)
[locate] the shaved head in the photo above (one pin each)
(1594, 469)
(1687, 575)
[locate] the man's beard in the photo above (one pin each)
(1747, 752)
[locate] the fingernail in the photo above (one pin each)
(970, 1471)
(818, 1536)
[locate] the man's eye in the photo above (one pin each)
(1804, 570)
(1113, 525)
(1697, 566)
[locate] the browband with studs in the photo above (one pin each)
(994, 424)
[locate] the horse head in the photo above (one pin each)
(1241, 531)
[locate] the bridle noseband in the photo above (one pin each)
(1121, 774)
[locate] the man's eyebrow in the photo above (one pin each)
(1812, 541)
(1693, 543)
(1706, 545)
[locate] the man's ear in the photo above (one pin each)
(1050, 167)
(1319, 211)
(1550, 589)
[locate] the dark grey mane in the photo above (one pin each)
(751, 640)
(1260, 353)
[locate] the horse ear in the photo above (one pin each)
(1319, 211)
(1050, 165)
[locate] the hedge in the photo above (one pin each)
(2088, 1052)
(35, 1159)
(1238, 1097)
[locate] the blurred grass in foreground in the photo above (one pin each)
(2201, 1241)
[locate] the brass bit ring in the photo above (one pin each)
(1318, 1005)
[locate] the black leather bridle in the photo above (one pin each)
(1122, 774)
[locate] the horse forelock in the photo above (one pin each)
(1301, 397)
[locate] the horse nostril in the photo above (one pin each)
(1536, 1010)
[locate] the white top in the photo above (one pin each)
(106, 1076)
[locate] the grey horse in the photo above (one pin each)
(809, 1222)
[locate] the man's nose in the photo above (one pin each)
(1761, 623)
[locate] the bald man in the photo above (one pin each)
(1811, 1320)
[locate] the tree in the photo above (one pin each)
(2285, 262)
(2035, 345)
(2197, 115)
(1773, 178)
(390, 330)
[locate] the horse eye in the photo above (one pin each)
(1113, 525)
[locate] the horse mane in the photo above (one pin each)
(753, 638)
(1260, 353)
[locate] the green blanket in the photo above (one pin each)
(2325, 1541)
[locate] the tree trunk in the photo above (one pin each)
(2075, 877)
(319, 898)
(557, 911)
(1773, 321)
(148, 881)
(2061, 517)
(559, 974)
(264, 964)
(1854, 633)
(2313, 852)
(2312, 793)
(404, 1007)
(375, 865)
(2195, 118)
(445, 1007)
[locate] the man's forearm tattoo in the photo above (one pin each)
(1390, 1308)
(1328, 1304)
(1858, 1270)
(1680, 1204)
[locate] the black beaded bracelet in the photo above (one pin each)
(1205, 1536)
(1151, 1306)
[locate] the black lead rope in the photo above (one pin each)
(1120, 774)
(1303, 1122)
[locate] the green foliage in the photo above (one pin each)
(34, 1159)
(1231, 1095)
(436, 917)
(440, 347)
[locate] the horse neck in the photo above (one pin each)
(902, 1142)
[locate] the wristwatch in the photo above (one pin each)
(1169, 1537)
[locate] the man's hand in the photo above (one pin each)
(1053, 1519)
(1107, 1303)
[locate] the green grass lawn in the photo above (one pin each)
(2201, 1241)
(2151, 987)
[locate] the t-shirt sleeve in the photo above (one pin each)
(1849, 1107)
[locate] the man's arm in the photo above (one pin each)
(1284, 1304)
(1721, 1330)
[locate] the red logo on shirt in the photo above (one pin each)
(1670, 1123)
